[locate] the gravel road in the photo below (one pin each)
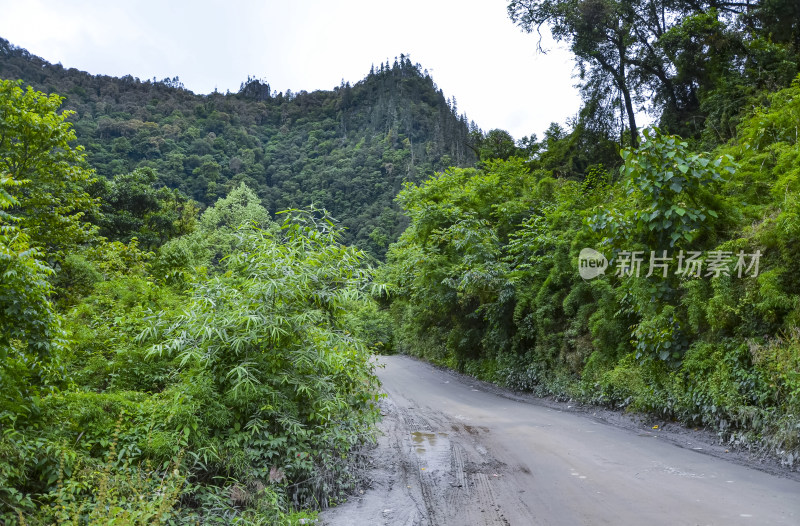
(455, 451)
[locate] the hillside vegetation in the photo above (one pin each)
(215, 380)
(348, 150)
(192, 285)
(486, 278)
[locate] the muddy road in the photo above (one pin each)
(455, 452)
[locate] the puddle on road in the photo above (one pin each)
(431, 446)
(420, 437)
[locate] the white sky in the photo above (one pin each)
(471, 48)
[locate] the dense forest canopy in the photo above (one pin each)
(348, 150)
(186, 331)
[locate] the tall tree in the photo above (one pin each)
(600, 33)
(667, 52)
(134, 207)
(36, 150)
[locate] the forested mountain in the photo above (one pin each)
(348, 150)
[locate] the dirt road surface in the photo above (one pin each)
(455, 452)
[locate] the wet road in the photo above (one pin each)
(456, 454)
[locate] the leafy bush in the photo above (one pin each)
(268, 333)
(241, 398)
(485, 279)
(76, 278)
(31, 339)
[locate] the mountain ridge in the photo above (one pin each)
(349, 150)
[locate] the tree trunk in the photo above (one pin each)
(631, 117)
(626, 93)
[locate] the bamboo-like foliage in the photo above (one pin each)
(268, 330)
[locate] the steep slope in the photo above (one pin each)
(348, 150)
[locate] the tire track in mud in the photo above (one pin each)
(459, 475)
(417, 434)
(451, 467)
(490, 510)
(434, 471)
(399, 422)
(453, 455)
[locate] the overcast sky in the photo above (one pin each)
(470, 47)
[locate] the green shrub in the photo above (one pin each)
(76, 277)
